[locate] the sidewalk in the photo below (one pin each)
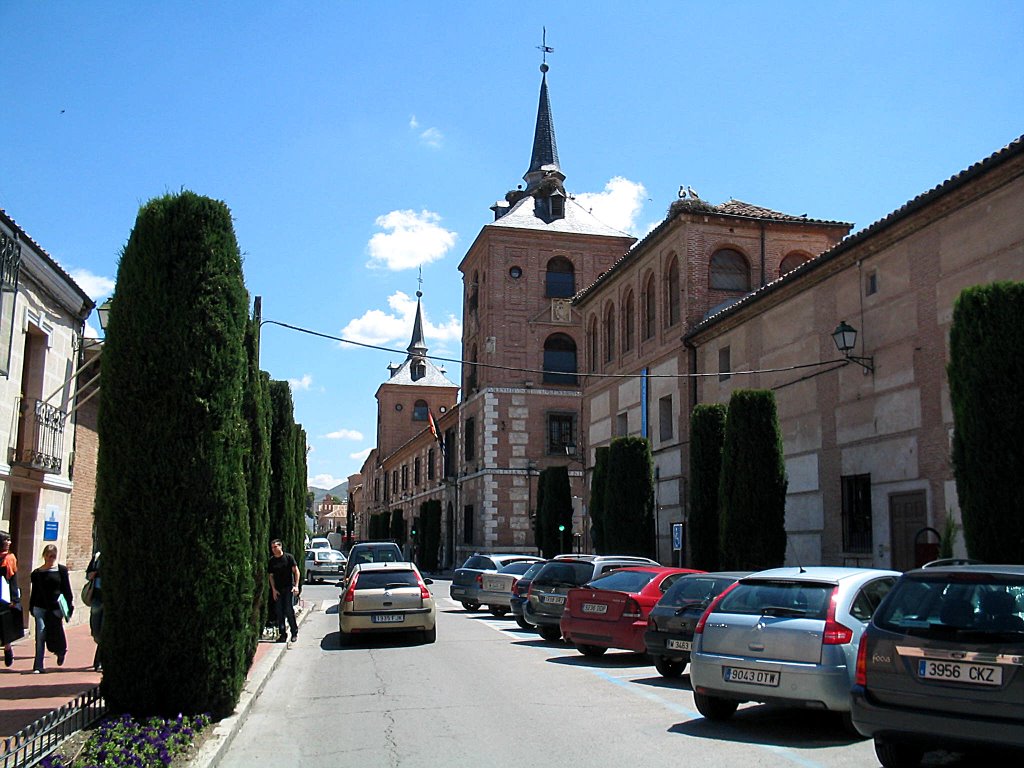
(25, 697)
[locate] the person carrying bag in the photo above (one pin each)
(12, 625)
(51, 586)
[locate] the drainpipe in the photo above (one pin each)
(763, 259)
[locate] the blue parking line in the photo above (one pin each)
(691, 714)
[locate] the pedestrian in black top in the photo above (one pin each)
(49, 582)
(92, 573)
(284, 582)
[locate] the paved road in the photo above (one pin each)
(489, 694)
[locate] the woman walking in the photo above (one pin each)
(50, 582)
(92, 573)
(11, 626)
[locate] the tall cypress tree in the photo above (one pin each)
(171, 495)
(430, 535)
(598, 488)
(282, 505)
(556, 510)
(629, 498)
(752, 486)
(986, 366)
(707, 432)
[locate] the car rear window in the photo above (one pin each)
(564, 573)
(330, 556)
(479, 563)
(694, 589)
(624, 581)
(388, 554)
(517, 569)
(532, 571)
(384, 579)
(798, 599)
(945, 603)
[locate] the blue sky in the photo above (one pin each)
(355, 142)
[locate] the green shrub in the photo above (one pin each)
(986, 366)
(598, 488)
(707, 432)
(629, 498)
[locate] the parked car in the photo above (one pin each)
(786, 635)
(941, 666)
(319, 542)
(518, 590)
(611, 611)
(321, 563)
(387, 596)
(496, 586)
(670, 623)
(546, 596)
(467, 581)
(372, 552)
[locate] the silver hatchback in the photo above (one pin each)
(786, 635)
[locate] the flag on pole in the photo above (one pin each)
(433, 425)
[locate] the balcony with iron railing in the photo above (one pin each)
(38, 442)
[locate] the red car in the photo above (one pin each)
(611, 611)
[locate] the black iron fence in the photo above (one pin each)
(40, 739)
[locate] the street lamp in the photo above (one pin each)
(103, 313)
(845, 338)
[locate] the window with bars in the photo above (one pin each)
(561, 433)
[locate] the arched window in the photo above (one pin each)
(730, 271)
(419, 410)
(559, 359)
(791, 262)
(628, 323)
(560, 282)
(592, 344)
(474, 292)
(672, 287)
(650, 308)
(609, 333)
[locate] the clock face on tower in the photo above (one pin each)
(515, 272)
(398, 406)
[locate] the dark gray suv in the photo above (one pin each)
(941, 665)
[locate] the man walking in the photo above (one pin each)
(284, 582)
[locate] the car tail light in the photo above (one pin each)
(631, 610)
(350, 593)
(699, 629)
(861, 675)
(515, 583)
(424, 592)
(529, 590)
(835, 633)
(480, 580)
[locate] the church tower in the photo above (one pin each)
(521, 341)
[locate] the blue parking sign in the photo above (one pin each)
(677, 535)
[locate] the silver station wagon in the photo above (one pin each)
(786, 635)
(387, 597)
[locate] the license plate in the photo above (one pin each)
(750, 676)
(387, 618)
(492, 586)
(594, 608)
(458, 591)
(553, 599)
(961, 672)
(677, 645)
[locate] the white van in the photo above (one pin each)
(319, 542)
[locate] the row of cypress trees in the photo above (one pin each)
(622, 498)
(200, 464)
(738, 484)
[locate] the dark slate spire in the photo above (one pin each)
(418, 345)
(544, 161)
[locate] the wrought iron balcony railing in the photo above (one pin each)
(39, 440)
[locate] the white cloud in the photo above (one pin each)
(301, 384)
(345, 434)
(326, 482)
(413, 122)
(431, 137)
(360, 455)
(395, 327)
(95, 286)
(618, 205)
(411, 240)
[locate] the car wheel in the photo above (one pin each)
(892, 755)
(552, 634)
(309, 578)
(590, 650)
(471, 605)
(523, 623)
(498, 610)
(343, 638)
(669, 667)
(714, 708)
(430, 635)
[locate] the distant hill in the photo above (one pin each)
(338, 492)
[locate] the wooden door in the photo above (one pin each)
(908, 514)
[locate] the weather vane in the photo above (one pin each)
(419, 292)
(544, 48)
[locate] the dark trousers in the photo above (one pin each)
(285, 609)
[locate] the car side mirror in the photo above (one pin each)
(428, 582)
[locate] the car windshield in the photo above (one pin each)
(564, 573)
(517, 569)
(796, 599)
(386, 579)
(532, 571)
(623, 581)
(479, 563)
(694, 590)
(970, 603)
(330, 556)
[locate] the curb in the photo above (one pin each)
(224, 732)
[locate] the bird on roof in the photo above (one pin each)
(682, 192)
(692, 192)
